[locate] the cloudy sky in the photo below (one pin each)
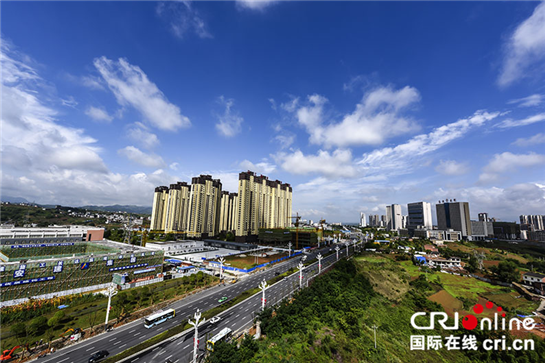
(356, 104)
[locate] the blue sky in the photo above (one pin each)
(356, 104)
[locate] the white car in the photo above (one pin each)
(215, 319)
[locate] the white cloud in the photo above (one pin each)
(183, 19)
(31, 133)
(255, 4)
(173, 166)
(509, 162)
(92, 82)
(375, 119)
(336, 165)
(131, 86)
(98, 114)
(397, 159)
(526, 121)
(229, 122)
(259, 168)
(530, 101)
(136, 155)
(69, 102)
(525, 49)
(140, 133)
(530, 141)
(451, 167)
(285, 140)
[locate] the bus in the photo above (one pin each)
(224, 334)
(159, 317)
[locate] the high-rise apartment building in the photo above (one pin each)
(363, 221)
(204, 205)
(227, 211)
(419, 215)
(454, 215)
(262, 203)
(159, 210)
(177, 207)
(203, 209)
(393, 217)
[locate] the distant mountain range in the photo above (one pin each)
(105, 208)
(119, 208)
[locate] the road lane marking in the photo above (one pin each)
(89, 349)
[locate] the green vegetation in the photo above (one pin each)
(332, 321)
(23, 324)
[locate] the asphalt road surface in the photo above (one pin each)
(181, 350)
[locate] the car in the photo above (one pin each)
(276, 273)
(215, 319)
(222, 299)
(98, 356)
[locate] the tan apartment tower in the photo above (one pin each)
(204, 206)
(262, 203)
(177, 207)
(159, 211)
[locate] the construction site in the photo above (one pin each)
(44, 270)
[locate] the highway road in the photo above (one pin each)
(239, 317)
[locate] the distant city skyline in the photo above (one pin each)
(392, 103)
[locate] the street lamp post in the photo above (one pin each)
(263, 286)
(301, 267)
(221, 261)
(196, 324)
(112, 291)
(319, 258)
(375, 329)
(337, 250)
(347, 249)
(289, 249)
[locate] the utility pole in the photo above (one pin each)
(289, 249)
(346, 249)
(196, 324)
(263, 286)
(112, 291)
(375, 329)
(221, 261)
(301, 267)
(319, 258)
(337, 250)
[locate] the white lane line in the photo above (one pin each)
(117, 342)
(121, 346)
(187, 346)
(111, 340)
(89, 349)
(137, 334)
(64, 359)
(167, 358)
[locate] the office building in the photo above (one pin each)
(481, 230)
(533, 222)
(454, 215)
(419, 215)
(262, 203)
(393, 217)
(483, 217)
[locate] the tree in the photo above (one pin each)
(507, 272)
(38, 325)
(18, 329)
(53, 322)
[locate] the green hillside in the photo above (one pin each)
(332, 322)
